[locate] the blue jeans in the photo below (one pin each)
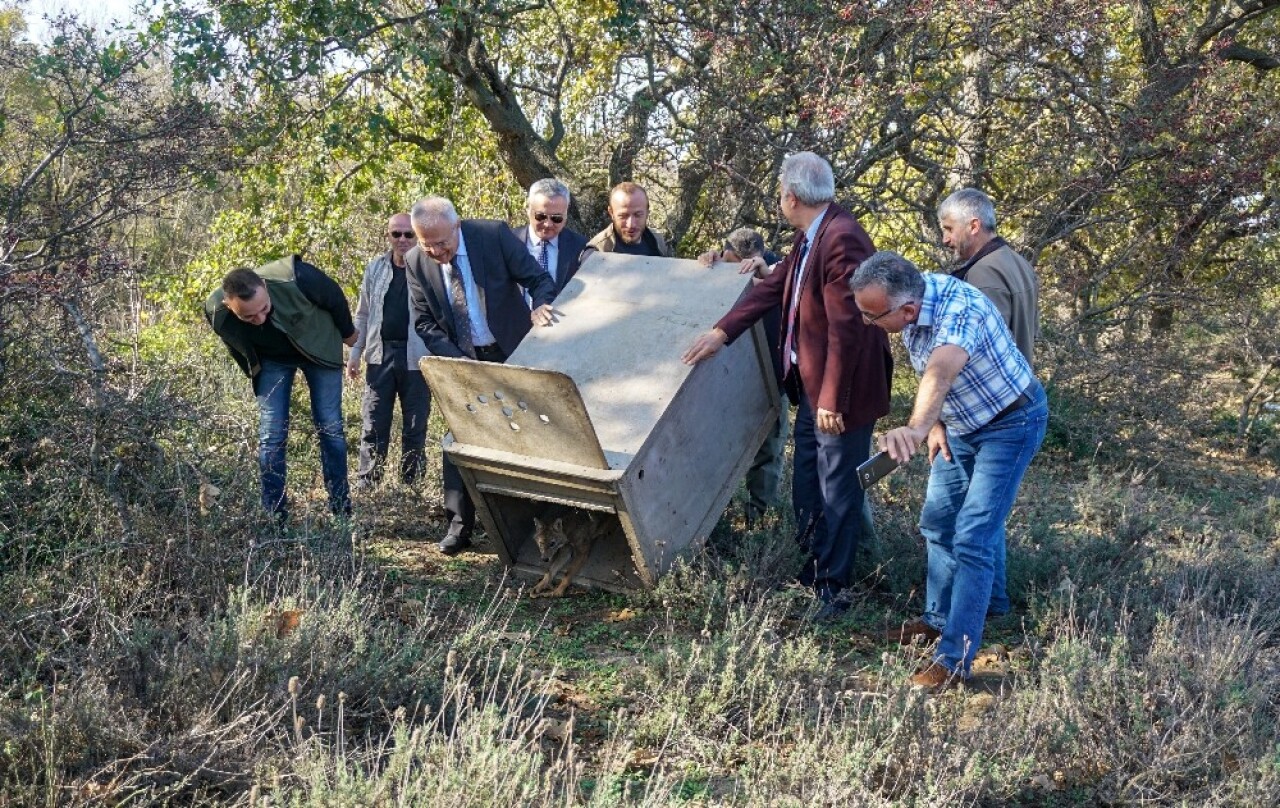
(273, 387)
(963, 519)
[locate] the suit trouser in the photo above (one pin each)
(827, 498)
(459, 510)
(384, 383)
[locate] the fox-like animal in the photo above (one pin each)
(561, 528)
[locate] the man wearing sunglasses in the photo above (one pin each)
(391, 348)
(629, 231)
(556, 248)
(466, 283)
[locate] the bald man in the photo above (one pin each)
(391, 348)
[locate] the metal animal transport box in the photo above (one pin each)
(598, 412)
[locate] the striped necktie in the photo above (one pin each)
(793, 315)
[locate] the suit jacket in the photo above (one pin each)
(500, 265)
(568, 257)
(844, 364)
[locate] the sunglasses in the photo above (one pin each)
(555, 217)
(401, 234)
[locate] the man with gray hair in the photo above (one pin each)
(968, 222)
(466, 281)
(977, 392)
(836, 369)
(391, 348)
(556, 248)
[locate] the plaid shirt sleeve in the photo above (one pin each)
(996, 372)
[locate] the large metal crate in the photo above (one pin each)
(598, 412)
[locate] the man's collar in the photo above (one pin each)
(812, 230)
(991, 246)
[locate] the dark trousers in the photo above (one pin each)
(827, 498)
(458, 507)
(385, 383)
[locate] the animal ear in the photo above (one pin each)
(559, 524)
(537, 523)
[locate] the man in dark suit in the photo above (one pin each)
(836, 369)
(465, 284)
(556, 248)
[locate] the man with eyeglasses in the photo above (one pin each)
(980, 400)
(628, 231)
(466, 282)
(275, 320)
(556, 248)
(391, 348)
(836, 370)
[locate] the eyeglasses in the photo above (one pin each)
(401, 234)
(555, 217)
(868, 319)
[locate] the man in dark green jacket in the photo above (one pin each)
(278, 319)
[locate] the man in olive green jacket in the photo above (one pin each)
(275, 320)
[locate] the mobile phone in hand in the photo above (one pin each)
(870, 472)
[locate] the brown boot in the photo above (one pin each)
(910, 630)
(935, 678)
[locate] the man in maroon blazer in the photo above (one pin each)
(836, 369)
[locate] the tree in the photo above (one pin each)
(94, 139)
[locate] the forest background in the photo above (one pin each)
(159, 648)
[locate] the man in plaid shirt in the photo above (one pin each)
(982, 414)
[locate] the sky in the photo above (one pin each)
(95, 11)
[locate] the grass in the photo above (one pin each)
(168, 652)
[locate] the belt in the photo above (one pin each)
(486, 351)
(1013, 406)
(396, 343)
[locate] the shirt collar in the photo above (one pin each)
(930, 302)
(811, 232)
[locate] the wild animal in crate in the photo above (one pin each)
(564, 536)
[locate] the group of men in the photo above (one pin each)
(979, 408)
(473, 288)
(446, 286)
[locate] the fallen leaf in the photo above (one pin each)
(620, 616)
(286, 623)
(643, 759)
(207, 497)
(411, 612)
(1044, 782)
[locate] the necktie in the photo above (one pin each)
(789, 344)
(544, 261)
(461, 314)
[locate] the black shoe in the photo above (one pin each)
(831, 611)
(834, 605)
(451, 545)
